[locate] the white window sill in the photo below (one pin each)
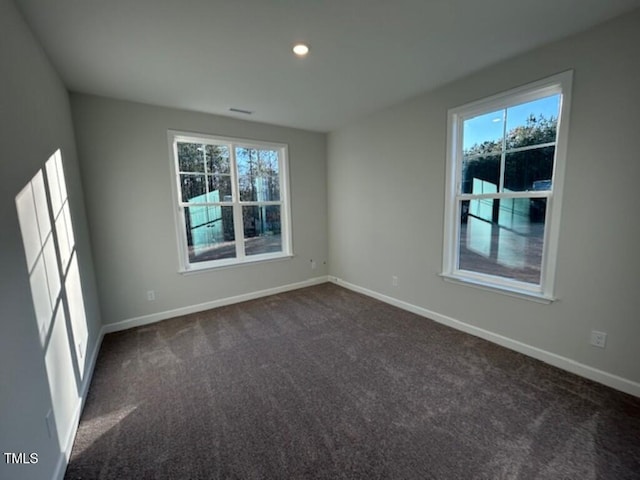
(503, 290)
(196, 269)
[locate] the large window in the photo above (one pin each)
(506, 158)
(232, 200)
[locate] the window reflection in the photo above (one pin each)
(503, 237)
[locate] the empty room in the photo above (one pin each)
(359, 239)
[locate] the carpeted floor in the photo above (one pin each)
(324, 383)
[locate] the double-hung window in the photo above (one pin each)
(232, 202)
(506, 158)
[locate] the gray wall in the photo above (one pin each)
(127, 173)
(383, 181)
(386, 180)
(35, 120)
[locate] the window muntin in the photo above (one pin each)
(232, 200)
(506, 165)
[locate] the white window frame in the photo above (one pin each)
(544, 292)
(185, 266)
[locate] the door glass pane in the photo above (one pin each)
(481, 174)
(262, 233)
(210, 234)
(533, 123)
(508, 243)
(529, 170)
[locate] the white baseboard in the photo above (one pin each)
(156, 317)
(564, 363)
(63, 460)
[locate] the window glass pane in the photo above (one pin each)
(258, 174)
(221, 182)
(268, 176)
(533, 123)
(481, 174)
(529, 169)
(475, 230)
(259, 189)
(247, 160)
(483, 134)
(247, 165)
(191, 157)
(210, 234)
(193, 188)
(481, 208)
(262, 231)
(508, 243)
(247, 188)
(219, 188)
(218, 159)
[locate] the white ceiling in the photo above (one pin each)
(209, 55)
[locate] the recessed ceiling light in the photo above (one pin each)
(301, 49)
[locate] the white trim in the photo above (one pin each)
(238, 224)
(614, 381)
(504, 290)
(184, 265)
(63, 460)
(560, 83)
(522, 94)
(159, 316)
(510, 150)
(266, 258)
(500, 195)
(195, 137)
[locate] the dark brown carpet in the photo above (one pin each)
(325, 383)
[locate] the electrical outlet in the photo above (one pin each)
(313, 264)
(394, 281)
(151, 295)
(598, 339)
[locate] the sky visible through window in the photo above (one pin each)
(490, 126)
